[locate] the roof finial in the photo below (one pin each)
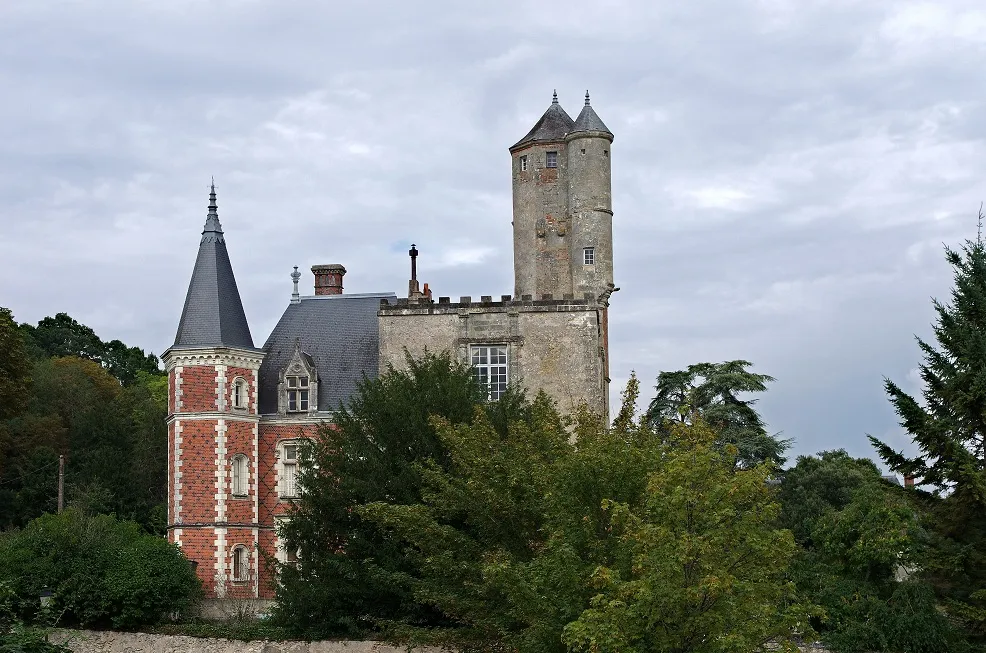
(295, 296)
(213, 207)
(212, 219)
(586, 97)
(413, 253)
(554, 97)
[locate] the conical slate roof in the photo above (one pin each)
(588, 121)
(553, 126)
(213, 314)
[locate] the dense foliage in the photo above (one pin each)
(949, 431)
(103, 572)
(711, 392)
(863, 547)
(110, 428)
(352, 575)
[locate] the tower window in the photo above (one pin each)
(241, 475)
(489, 368)
(589, 255)
(523, 163)
(583, 150)
(605, 152)
(241, 563)
(239, 394)
(551, 159)
(297, 393)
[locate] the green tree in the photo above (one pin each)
(865, 547)
(949, 431)
(351, 575)
(15, 368)
(102, 572)
(711, 391)
(616, 540)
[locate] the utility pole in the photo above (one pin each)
(61, 482)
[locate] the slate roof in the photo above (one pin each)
(213, 315)
(588, 121)
(554, 125)
(339, 333)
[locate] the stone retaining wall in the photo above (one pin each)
(89, 641)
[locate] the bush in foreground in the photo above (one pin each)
(102, 572)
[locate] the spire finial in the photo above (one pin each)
(212, 226)
(213, 207)
(295, 296)
(554, 97)
(586, 97)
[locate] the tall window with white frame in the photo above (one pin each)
(241, 563)
(297, 388)
(551, 159)
(289, 469)
(239, 394)
(588, 255)
(489, 365)
(241, 475)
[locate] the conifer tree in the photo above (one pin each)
(949, 430)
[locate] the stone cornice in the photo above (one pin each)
(233, 356)
(212, 414)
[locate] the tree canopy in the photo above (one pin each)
(711, 391)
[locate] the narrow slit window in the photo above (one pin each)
(241, 475)
(589, 256)
(523, 163)
(551, 159)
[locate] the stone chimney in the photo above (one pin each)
(328, 279)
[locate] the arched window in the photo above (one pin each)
(241, 475)
(241, 563)
(239, 394)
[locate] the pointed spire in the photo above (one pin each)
(212, 230)
(552, 126)
(588, 121)
(213, 315)
(295, 296)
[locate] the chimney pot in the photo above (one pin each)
(328, 279)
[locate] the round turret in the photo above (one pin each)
(590, 203)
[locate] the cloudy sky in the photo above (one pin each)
(785, 172)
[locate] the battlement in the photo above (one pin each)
(392, 306)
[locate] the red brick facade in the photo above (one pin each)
(207, 432)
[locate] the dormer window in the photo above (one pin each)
(298, 393)
(551, 159)
(298, 385)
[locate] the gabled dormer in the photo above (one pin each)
(297, 388)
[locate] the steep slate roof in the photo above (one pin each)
(588, 121)
(213, 315)
(553, 126)
(339, 333)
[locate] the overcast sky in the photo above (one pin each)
(785, 172)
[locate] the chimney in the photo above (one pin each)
(328, 279)
(908, 480)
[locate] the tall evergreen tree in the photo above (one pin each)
(711, 391)
(949, 430)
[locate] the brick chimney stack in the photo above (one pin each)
(328, 279)
(908, 480)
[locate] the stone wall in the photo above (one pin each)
(89, 641)
(555, 345)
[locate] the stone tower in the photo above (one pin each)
(213, 425)
(562, 206)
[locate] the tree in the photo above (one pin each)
(351, 576)
(531, 541)
(102, 572)
(949, 431)
(710, 391)
(15, 368)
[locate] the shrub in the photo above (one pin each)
(102, 572)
